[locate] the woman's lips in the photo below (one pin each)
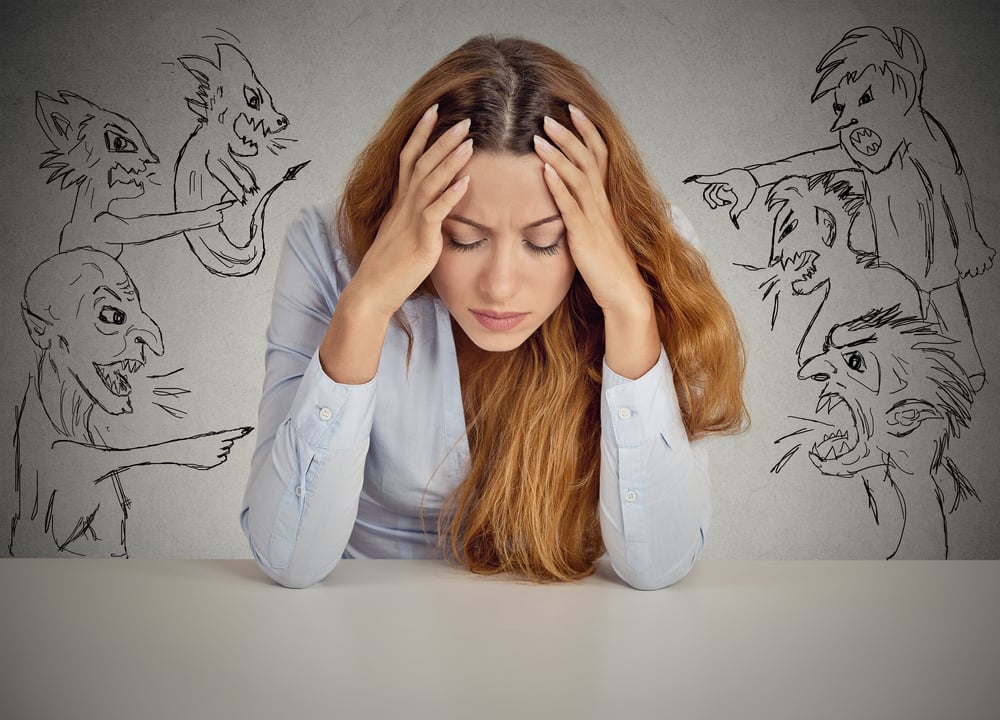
(498, 321)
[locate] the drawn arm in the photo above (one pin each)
(116, 230)
(97, 463)
(234, 175)
(974, 255)
(737, 187)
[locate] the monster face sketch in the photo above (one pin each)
(236, 118)
(897, 397)
(107, 158)
(811, 256)
(83, 314)
(916, 192)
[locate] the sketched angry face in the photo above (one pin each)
(252, 117)
(894, 391)
(94, 144)
(82, 310)
(870, 111)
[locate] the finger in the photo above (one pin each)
(576, 151)
(711, 195)
(738, 208)
(592, 138)
(437, 152)
(415, 145)
(569, 208)
(435, 213)
(569, 174)
(436, 182)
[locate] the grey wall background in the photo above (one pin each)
(703, 86)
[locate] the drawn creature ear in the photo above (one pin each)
(37, 328)
(50, 114)
(910, 415)
(201, 68)
(903, 82)
(827, 224)
(230, 56)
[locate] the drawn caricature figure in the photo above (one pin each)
(905, 398)
(811, 258)
(91, 335)
(916, 192)
(236, 117)
(106, 157)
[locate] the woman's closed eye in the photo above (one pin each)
(547, 248)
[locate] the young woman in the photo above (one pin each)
(498, 346)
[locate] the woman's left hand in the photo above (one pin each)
(576, 173)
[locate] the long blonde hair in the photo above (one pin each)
(529, 501)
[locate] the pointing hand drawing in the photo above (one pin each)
(736, 187)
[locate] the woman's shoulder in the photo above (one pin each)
(313, 242)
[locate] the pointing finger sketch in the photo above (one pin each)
(83, 314)
(107, 158)
(236, 118)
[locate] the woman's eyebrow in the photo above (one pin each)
(473, 223)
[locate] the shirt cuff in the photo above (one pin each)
(645, 405)
(328, 415)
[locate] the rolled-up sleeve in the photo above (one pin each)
(313, 433)
(655, 500)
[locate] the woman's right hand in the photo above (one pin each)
(408, 243)
(405, 250)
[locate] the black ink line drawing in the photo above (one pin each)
(877, 231)
(917, 195)
(905, 398)
(107, 158)
(91, 335)
(236, 118)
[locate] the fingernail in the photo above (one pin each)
(543, 144)
(462, 127)
(550, 123)
(573, 110)
(464, 148)
(551, 170)
(430, 112)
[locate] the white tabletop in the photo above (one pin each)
(215, 638)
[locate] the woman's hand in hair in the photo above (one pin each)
(404, 252)
(408, 243)
(576, 173)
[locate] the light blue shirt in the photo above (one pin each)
(362, 470)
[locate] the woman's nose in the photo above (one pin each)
(500, 279)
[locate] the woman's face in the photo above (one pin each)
(505, 265)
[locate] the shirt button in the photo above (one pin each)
(325, 414)
(299, 491)
(630, 496)
(624, 413)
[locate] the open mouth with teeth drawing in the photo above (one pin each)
(840, 451)
(799, 270)
(866, 141)
(250, 133)
(121, 175)
(115, 376)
